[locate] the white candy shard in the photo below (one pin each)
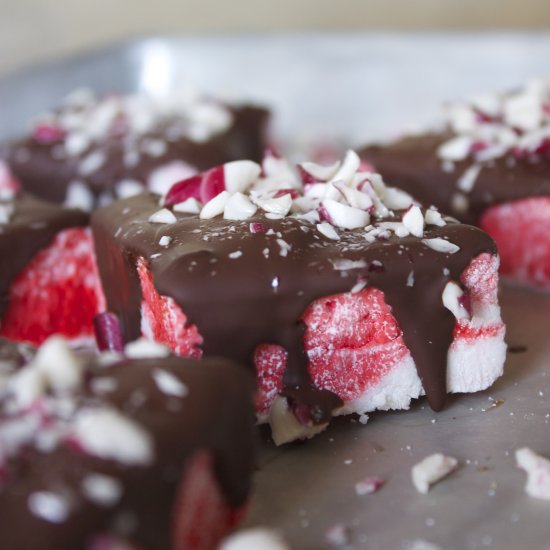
(433, 217)
(169, 384)
(451, 300)
(26, 386)
(537, 468)
(108, 434)
(91, 163)
(285, 427)
(523, 111)
(80, 196)
(60, 367)
(101, 489)
(279, 168)
(54, 368)
(188, 206)
(165, 240)
(348, 169)
(145, 349)
(238, 207)
(214, 207)
(257, 538)
(413, 220)
(467, 181)
(320, 172)
(163, 216)
(240, 174)
(49, 506)
(128, 188)
(345, 216)
(354, 197)
(369, 485)
(279, 206)
(396, 199)
(328, 231)
(455, 149)
(441, 245)
(432, 469)
(338, 535)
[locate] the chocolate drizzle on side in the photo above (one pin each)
(413, 164)
(214, 415)
(31, 227)
(259, 297)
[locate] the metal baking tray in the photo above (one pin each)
(350, 88)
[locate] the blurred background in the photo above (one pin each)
(35, 30)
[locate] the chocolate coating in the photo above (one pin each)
(258, 297)
(215, 415)
(412, 164)
(48, 176)
(31, 227)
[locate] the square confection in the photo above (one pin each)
(340, 292)
(93, 148)
(139, 449)
(488, 165)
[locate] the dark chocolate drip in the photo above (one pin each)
(215, 416)
(241, 302)
(412, 164)
(44, 173)
(31, 227)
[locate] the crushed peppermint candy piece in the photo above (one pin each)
(215, 206)
(328, 231)
(240, 174)
(188, 206)
(433, 217)
(101, 489)
(238, 207)
(51, 507)
(169, 384)
(467, 181)
(441, 245)
(165, 240)
(163, 216)
(338, 535)
(413, 220)
(254, 539)
(145, 349)
(369, 485)
(537, 468)
(108, 434)
(431, 470)
(80, 196)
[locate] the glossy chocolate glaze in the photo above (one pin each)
(259, 297)
(412, 164)
(40, 172)
(32, 227)
(216, 415)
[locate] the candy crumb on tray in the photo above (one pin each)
(432, 469)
